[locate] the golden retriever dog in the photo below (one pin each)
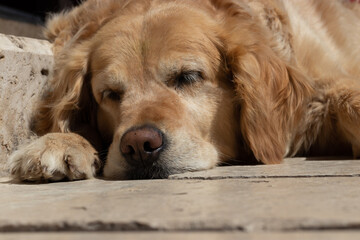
(158, 87)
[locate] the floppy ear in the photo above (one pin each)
(272, 97)
(271, 92)
(68, 92)
(69, 101)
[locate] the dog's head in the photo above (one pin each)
(170, 86)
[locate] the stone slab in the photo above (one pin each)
(246, 205)
(334, 235)
(291, 167)
(25, 65)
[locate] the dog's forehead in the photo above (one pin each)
(161, 37)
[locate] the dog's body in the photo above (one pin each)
(183, 85)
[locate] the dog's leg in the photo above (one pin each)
(55, 157)
(345, 104)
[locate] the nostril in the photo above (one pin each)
(151, 146)
(147, 147)
(130, 150)
(127, 149)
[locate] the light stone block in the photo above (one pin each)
(25, 66)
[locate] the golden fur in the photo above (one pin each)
(269, 78)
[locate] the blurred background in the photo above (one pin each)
(26, 18)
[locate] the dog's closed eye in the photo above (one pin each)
(187, 78)
(111, 95)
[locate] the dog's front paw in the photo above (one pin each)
(55, 157)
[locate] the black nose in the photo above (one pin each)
(141, 146)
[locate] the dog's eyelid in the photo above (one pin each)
(188, 77)
(111, 94)
(194, 73)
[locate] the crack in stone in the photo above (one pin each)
(100, 226)
(259, 177)
(6, 146)
(137, 226)
(325, 227)
(76, 227)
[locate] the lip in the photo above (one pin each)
(152, 172)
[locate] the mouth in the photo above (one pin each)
(151, 172)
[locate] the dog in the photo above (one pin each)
(159, 87)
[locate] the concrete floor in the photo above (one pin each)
(299, 199)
